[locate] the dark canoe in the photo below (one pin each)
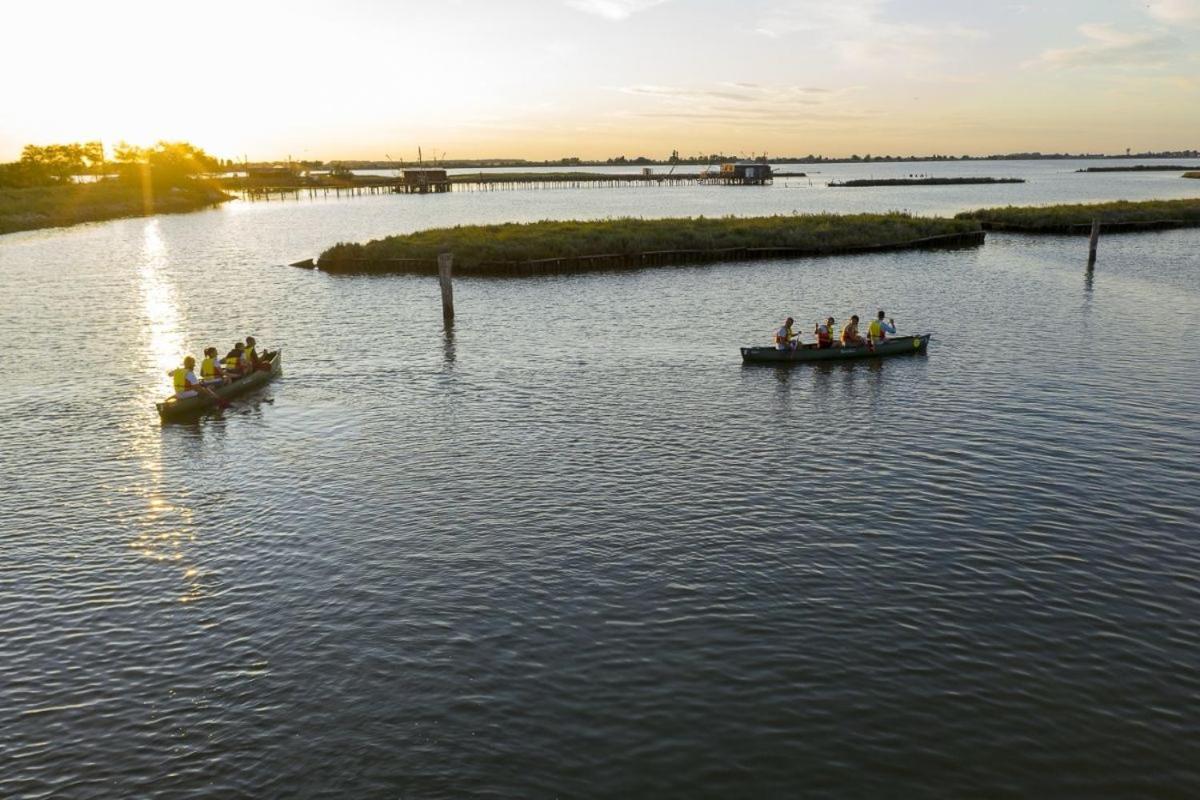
(190, 406)
(901, 345)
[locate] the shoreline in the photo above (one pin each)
(550, 247)
(75, 204)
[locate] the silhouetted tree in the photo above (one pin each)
(164, 164)
(58, 163)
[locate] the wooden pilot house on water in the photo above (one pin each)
(422, 180)
(739, 173)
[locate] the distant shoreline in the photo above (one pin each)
(640, 161)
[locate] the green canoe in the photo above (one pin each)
(172, 408)
(901, 345)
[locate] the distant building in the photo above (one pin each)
(425, 175)
(747, 171)
(266, 173)
(424, 179)
(739, 173)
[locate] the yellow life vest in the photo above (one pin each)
(875, 330)
(179, 378)
(250, 355)
(231, 362)
(208, 367)
(784, 335)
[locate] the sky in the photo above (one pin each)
(541, 79)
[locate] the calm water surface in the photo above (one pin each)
(572, 547)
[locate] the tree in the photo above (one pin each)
(166, 164)
(61, 162)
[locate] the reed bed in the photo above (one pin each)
(55, 206)
(1077, 218)
(632, 241)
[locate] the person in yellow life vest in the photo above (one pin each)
(824, 333)
(784, 338)
(257, 361)
(850, 337)
(210, 367)
(188, 385)
(233, 361)
(879, 328)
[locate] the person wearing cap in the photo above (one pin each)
(824, 333)
(188, 385)
(879, 328)
(784, 338)
(184, 379)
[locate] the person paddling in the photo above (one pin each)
(256, 361)
(784, 338)
(188, 385)
(879, 328)
(210, 368)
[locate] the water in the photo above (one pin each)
(572, 547)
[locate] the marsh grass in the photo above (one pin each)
(53, 206)
(857, 182)
(476, 245)
(1056, 219)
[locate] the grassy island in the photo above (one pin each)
(53, 206)
(1138, 168)
(1121, 215)
(1191, 174)
(919, 182)
(551, 246)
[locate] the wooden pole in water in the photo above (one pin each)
(1093, 241)
(445, 273)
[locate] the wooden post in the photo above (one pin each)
(445, 273)
(1093, 241)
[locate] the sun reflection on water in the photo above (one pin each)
(165, 531)
(162, 335)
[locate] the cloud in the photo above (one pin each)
(1110, 47)
(615, 10)
(858, 32)
(734, 92)
(1178, 12)
(781, 107)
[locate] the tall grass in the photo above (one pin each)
(474, 245)
(1057, 218)
(52, 206)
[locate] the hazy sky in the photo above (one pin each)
(594, 78)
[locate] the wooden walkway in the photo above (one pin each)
(485, 182)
